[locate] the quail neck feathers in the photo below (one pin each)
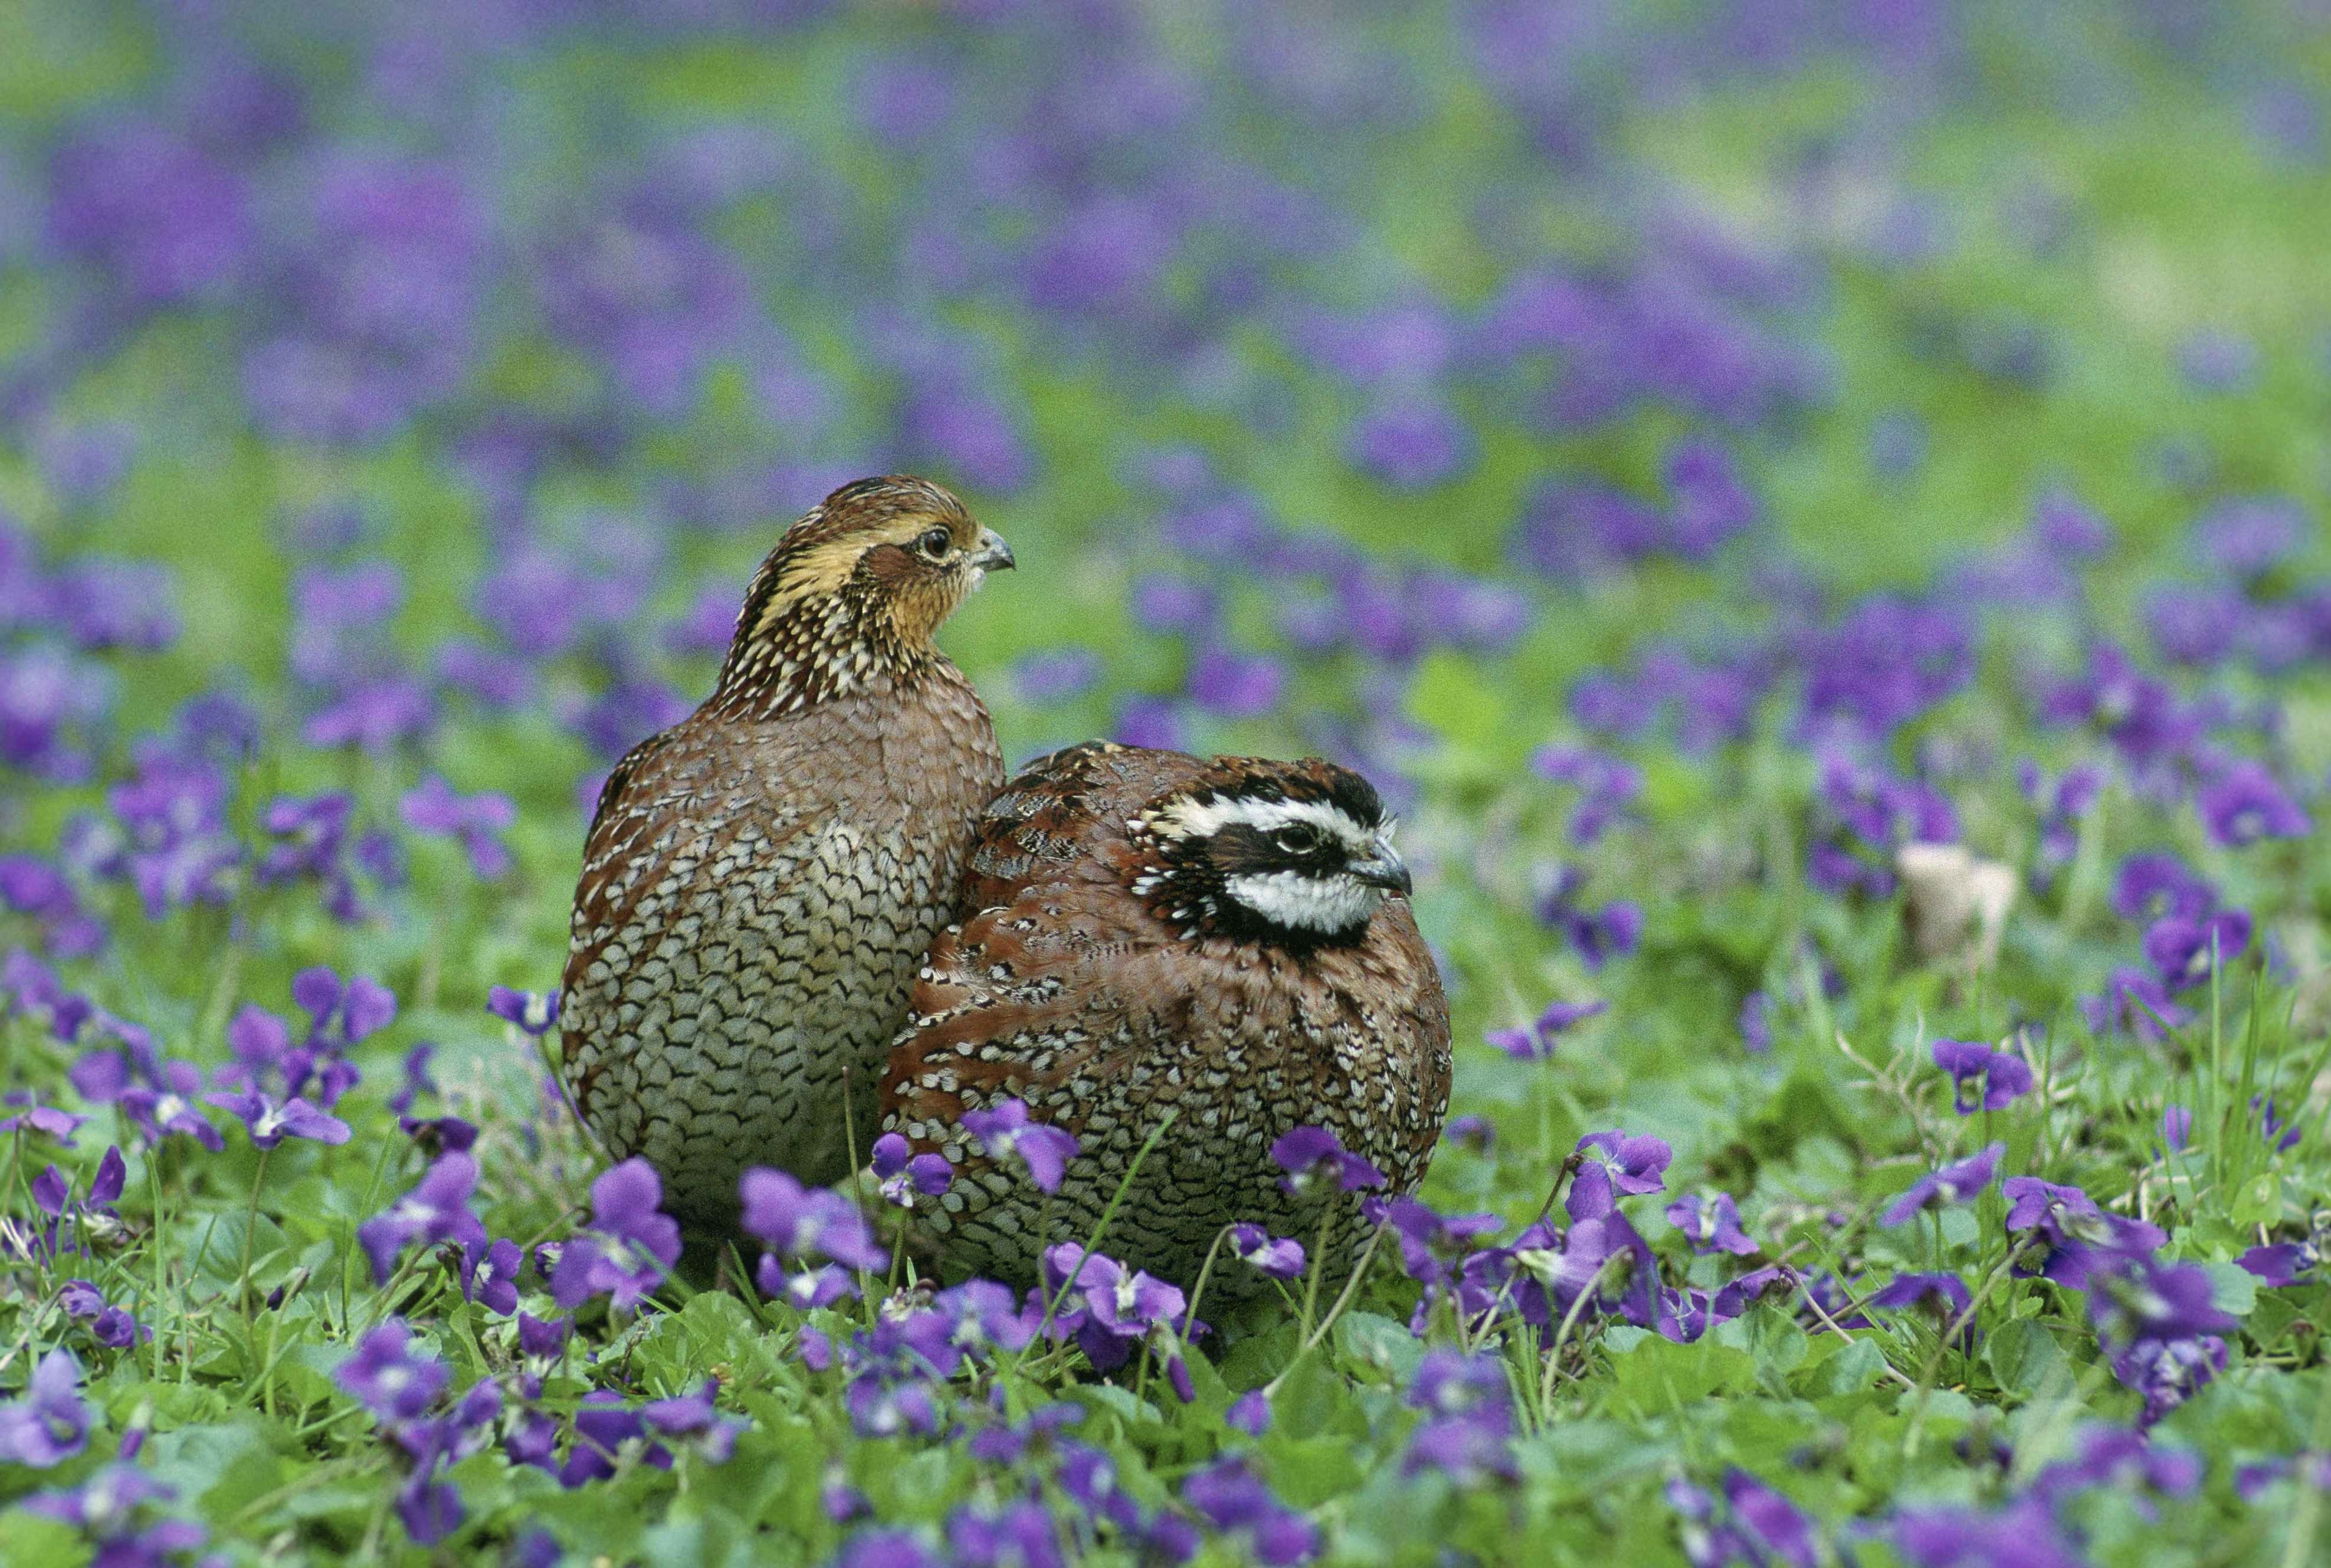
(1227, 940)
(762, 879)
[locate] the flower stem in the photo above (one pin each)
(249, 1228)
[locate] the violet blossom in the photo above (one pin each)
(1952, 1185)
(1004, 1130)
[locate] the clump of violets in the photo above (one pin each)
(436, 1210)
(1469, 1420)
(113, 1508)
(1607, 785)
(1749, 1523)
(309, 843)
(268, 1060)
(403, 1385)
(816, 1233)
(1109, 1309)
(1230, 1496)
(85, 1224)
(111, 1326)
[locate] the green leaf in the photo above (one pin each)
(31, 1538)
(2232, 1289)
(1314, 1401)
(1377, 1341)
(2257, 1201)
(1310, 1471)
(223, 1468)
(2026, 1360)
(1656, 1377)
(1849, 1370)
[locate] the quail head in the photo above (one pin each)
(761, 879)
(1227, 940)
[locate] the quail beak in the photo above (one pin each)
(992, 554)
(1384, 869)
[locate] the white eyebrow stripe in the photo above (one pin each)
(1204, 819)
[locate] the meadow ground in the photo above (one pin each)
(1815, 513)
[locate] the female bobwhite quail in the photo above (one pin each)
(762, 879)
(1228, 936)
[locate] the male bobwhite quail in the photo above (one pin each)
(762, 879)
(1148, 931)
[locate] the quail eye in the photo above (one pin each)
(1298, 837)
(935, 543)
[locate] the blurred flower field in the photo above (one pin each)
(1814, 510)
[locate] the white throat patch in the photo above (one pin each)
(1299, 902)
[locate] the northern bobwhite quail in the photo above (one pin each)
(1229, 935)
(762, 879)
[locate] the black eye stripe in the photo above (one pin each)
(1241, 846)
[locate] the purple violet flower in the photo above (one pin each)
(2246, 803)
(1536, 1043)
(436, 1210)
(806, 1223)
(270, 1123)
(1946, 1295)
(387, 1378)
(1981, 1078)
(1278, 1257)
(1004, 1129)
(628, 1247)
(490, 1274)
(1230, 1496)
(1950, 1185)
(2169, 1371)
(31, 1116)
(1310, 1154)
(168, 1107)
(695, 1417)
(1612, 1165)
(1107, 1307)
(905, 1176)
(1711, 1224)
(2281, 1263)
(49, 1424)
(2144, 1300)
(534, 1011)
(2075, 1237)
(112, 1327)
(2183, 951)
(1468, 1424)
